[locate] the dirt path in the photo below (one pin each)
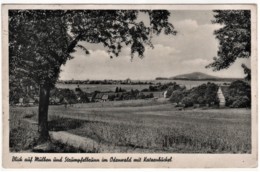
(90, 145)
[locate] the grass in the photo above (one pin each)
(128, 87)
(23, 136)
(171, 134)
(122, 103)
(155, 128)
(102, 87)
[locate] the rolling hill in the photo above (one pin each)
(197, 76)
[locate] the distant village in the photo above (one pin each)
(106, 82)
(71, 96)
(208, 94)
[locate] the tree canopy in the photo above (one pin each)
(234, 38)
(42, 40)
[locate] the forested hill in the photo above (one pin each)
(197, 76)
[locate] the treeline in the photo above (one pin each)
(105, 82)
(205, 94)
(68, 96)
(237, 95)
(162, 87)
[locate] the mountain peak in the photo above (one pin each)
(194, 75)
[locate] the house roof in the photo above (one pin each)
(56, 99)
(65, 100)
(31, 100)
(99, 96)
(105, 97)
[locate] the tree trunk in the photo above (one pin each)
(43, 113)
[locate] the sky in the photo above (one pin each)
(189, 51)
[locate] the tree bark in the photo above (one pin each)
(43, 114)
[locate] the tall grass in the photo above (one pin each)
(159, 128)
(23, 136)
(190, 138)
(209, 131)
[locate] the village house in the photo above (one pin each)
(36, 98)
(31, 101)
(90, 97)
(158, 94)
(20, 102)
(128, 81)
(98, 97)
(25, 101)
(104, 98)
(55, 100)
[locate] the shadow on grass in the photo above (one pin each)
(58, 147)
(64, 124)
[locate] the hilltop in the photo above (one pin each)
(197, 76)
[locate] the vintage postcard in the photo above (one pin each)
(148, 86)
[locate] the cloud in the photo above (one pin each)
(190, 50)
(187, 26)
(196, 62)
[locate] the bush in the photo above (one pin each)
(203, 94)
(187, 101)
(201, 100)
(210, 94)
(229, 100)
(239, 95)
(145, 90)
(177, 96)
(239, 88)
(241, 102)
(171, 89)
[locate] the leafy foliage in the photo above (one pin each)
(38, 45)
(178, 95)
(203, 94)
(40, 41)
(234, 37)
(247, 71)
(239, 95)
(172, 88)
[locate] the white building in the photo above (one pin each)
(221, 97)
(165, 94)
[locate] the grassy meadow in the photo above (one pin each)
(128, 87)
(102, 87)
(141, 126)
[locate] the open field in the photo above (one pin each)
(102, 87)
(128, 87)
(146, 126)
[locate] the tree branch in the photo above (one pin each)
(74, 43)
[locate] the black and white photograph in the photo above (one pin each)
(150, 81)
